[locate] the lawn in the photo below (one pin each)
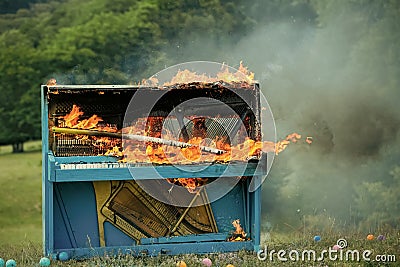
(21, 233)
(29, 254)
(20, 197)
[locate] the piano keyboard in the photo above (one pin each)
(107, 165)
(111, 165)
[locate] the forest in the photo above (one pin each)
(330, 69)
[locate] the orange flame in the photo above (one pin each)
(191, 184)
(281, 145)
(242, 152)
(239, 234)
(187, 76)
(184, 76)
(71, 120)
(139, 152)
(114, 152)
(245, 71)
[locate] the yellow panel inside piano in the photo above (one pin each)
(129, 208)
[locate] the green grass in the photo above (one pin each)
(29, 254)
(20, 195)
(21, 232)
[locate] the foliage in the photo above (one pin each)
(17, 71)
(91, 42)
(11, 6)
(103, 42)
(378, 202)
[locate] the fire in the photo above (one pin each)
(183, 76)
(239, 234)
(134, 151)
(71, 120)
(245, 71)
(281, 145)
(51, 82)
(193, 153)
(115, 152)
(242, 75)
(88, 123)
(192, 184)
(137, 152)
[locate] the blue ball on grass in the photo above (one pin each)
(317, 238)
(63, 256)
(44, 261)
(2, 262)
(11, 263)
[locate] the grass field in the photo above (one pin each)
(20, 195)
(29, 254)
(20, 229)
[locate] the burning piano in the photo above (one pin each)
(150, 169)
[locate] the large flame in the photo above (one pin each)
(146, 152)
(139, 152)
(73, 120)
(242, 75)
(162, 154)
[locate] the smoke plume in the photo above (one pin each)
(322, 80)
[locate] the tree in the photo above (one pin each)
(17, 71)
(11, 6)
(109, 43)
